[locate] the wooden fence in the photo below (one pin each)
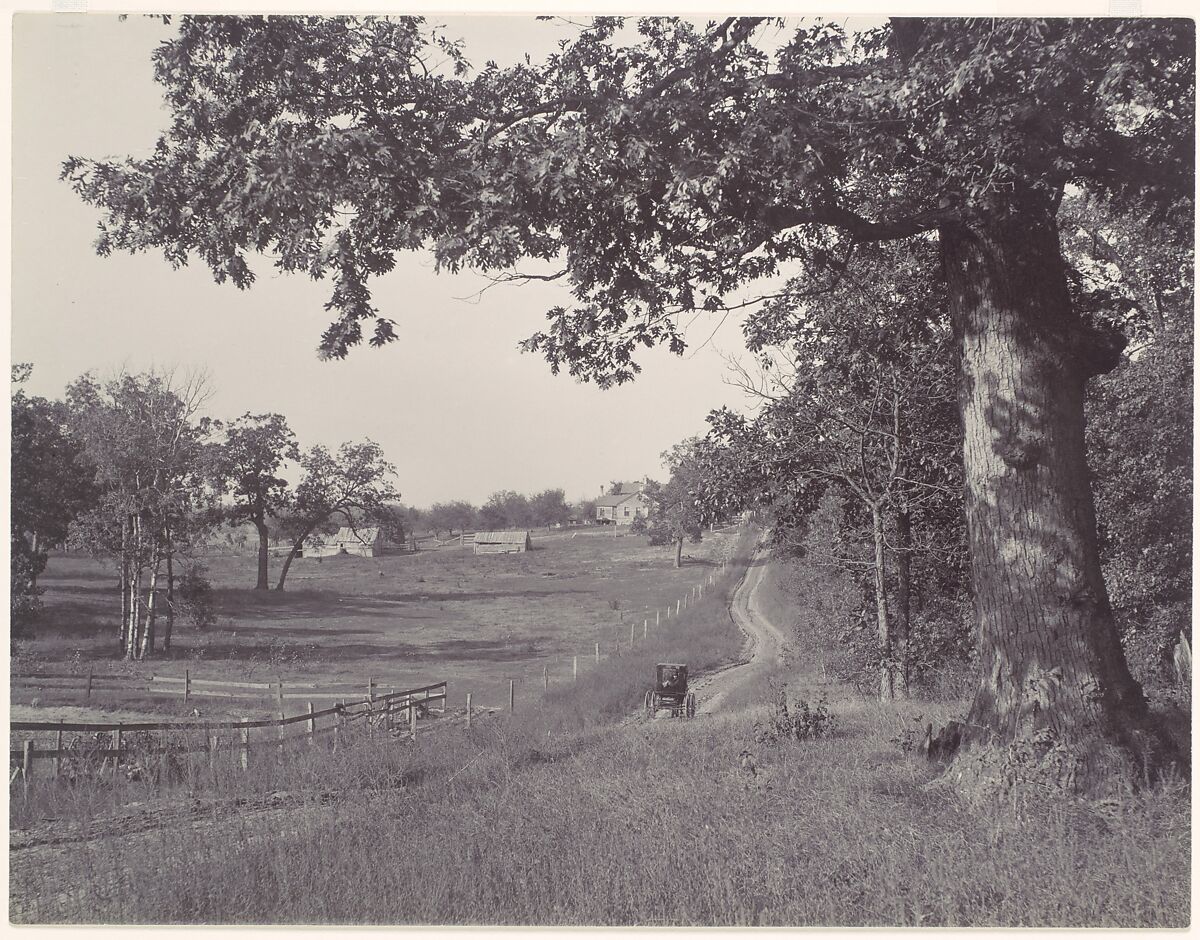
(189, 687)
(188, 737)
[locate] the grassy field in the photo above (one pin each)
(661, 825)
(445, 614)
(580, 813)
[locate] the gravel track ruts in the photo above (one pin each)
(763, 652)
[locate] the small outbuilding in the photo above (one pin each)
(366, 542)
(498, 543)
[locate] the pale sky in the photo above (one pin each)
(455, 405)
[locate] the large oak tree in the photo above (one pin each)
(660, 172)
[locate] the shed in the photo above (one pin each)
(492, 543)
(366, 542)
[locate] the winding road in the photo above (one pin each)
(765, 642)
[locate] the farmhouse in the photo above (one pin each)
(623, 506)
(366, 542)
(493, 543)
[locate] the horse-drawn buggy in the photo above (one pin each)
(671, 692)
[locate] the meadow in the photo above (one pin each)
(580, 811)
(405, 619)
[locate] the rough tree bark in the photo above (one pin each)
(1051, 659)
(679, 552)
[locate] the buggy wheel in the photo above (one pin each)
(690, 706)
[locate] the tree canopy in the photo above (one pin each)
(255, 448)
(656, 175)
(659, 173)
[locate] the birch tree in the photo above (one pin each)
(147, 441)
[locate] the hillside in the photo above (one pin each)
(574, 814)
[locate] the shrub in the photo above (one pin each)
(799, 721)
(196, 597)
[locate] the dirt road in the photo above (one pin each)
(764, 642)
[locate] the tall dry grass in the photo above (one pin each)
(558, 816)
(659, 823)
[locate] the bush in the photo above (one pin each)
(196, 597)
(799, 721)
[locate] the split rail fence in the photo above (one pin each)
(375, 709)
(190, 687)
(150, 743)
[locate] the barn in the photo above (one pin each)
(494, 543)
(366, 542)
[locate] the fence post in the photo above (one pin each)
(468, 709)
(631, 635)
(597, 653)
(387, 712)
(117, 759)
(187, 684)
(546, 678)
(678, 604)
(212, 755)
(280, 692)
(645, 628)
(89, 686)
(574, 668)
(245, 757)
(312, 726)
(512, 694)
(656, 613)
(412, 718)
(58, 747)
(282, 716)
(442, 710)
(26, 765)
(371, 689)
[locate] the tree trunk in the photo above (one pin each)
(1051, 660)
(263, 538)
(35, 545)
(134, 633)
(170, 602)
(147, 646)
(887, 686)
(903, 598)
(287, 562)
(126, 599)
(679, 552)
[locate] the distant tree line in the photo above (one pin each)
(504, 509)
